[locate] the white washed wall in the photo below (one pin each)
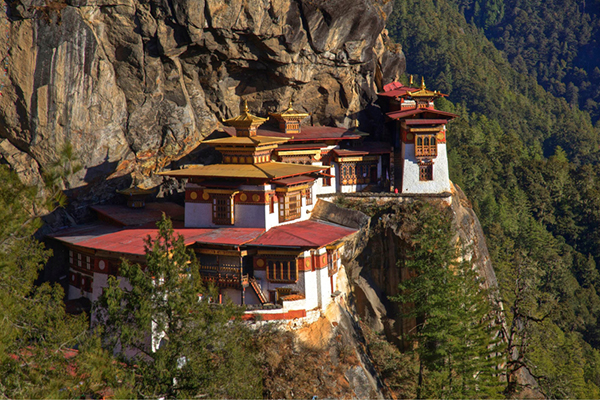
(410, 177)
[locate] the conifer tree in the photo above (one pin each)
(453, 337)
(178, 343)
(36, 335)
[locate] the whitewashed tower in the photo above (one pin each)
(419, 139)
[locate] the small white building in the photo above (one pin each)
(419, 139)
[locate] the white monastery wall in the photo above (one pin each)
(198, 215)
(410, 176)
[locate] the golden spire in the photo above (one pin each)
(422, 83)
(245, 119)
(289, 120)
(410, 80)
(289, 113)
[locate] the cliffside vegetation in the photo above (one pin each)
(197, 348)
(37, 336)
(527, 161)
(445, 328)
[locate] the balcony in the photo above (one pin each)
(426, 151)
(224, 275)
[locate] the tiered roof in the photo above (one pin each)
(289, 114)
(269, 170)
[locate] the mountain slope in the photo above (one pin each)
(526, 161)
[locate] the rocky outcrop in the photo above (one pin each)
(135, 84)
(372, 260)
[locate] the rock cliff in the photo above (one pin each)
(371, 261)
(135, 84)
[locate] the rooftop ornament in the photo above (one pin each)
(245, 124)
(289, 120)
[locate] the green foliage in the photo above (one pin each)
(399, 370)
(553, 41)
(454, 328)
(527, 162)
(176, 344)
(56, 177)
(35, 331)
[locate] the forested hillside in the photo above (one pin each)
(527, 160)
(553, 41)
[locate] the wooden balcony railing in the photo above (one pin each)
(224, 275)
(426, 151)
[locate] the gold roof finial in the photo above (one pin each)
(422, 82)
(245, 119)
(289, 113)
(410, 80)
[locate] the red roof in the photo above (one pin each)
(227, 236)
(365, 148)
(349, 152)
(300, 146)
(398, 92)
(418, 111)
(410, 122)
(391, 86)
(131, 240)
(313, 234)
(126, 216)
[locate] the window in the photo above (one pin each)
(426, 146)
(326, 179)
(222, 210)
(348, 172)
(309, 199)
(364, 172)
(426, 172)
(272, 204)
(290, 206)
(282, 270)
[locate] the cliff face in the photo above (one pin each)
(371, 262)
(134, 84)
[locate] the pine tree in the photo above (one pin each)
(454, 334)
(36, 334)
(178, 343)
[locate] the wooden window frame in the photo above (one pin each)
(309, 199)
(272, 204)
(426, 146)
(326, 179)
(282, 270)
(426, 172)
(222, 216)
(348, 173)
(290, 206)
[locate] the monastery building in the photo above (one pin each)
(249, 218)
